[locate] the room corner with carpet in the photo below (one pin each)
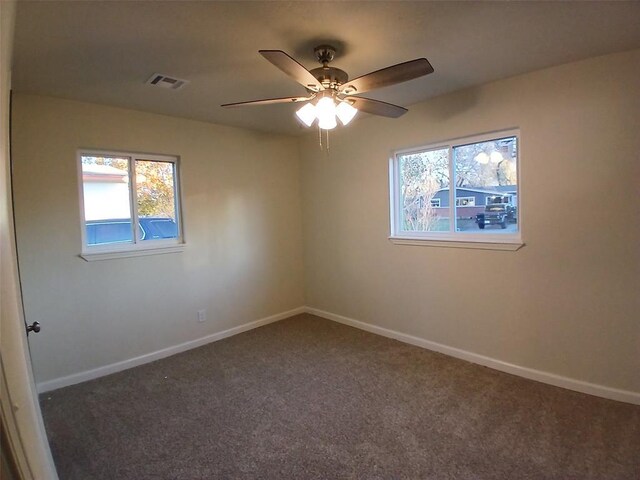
(307, 397)
(321, 240)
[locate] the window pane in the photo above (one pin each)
(424, 191)
(164, 228)
(487, 186)
(108, 231)
(107, 203)
(155, 196)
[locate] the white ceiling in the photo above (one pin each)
(104, 51)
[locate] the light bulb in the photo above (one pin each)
(328, 123)
(307, 114)
(345, 112)
(496, 157)
(482, 158)
(326, 113)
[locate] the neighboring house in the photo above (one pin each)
(469, 200)
(102, 182)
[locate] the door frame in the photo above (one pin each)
(19, 408)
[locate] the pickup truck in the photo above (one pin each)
(497, 214)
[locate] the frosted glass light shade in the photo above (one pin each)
(307, 114)
(326, 113)
(496, 157)
(328, 123)
(482, 158)
(345, 112)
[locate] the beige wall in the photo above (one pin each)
(567, 303)
(242, 222)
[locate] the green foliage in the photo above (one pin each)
(155, 189)
(155, 192)
(115, 162)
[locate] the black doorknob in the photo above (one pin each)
(34, 327)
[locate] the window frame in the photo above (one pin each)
(471, 200)
(451, 238)
(137, 247)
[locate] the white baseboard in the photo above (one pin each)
(532, 374)
(540, 376)
(157, 355)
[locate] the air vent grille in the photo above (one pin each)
(165, 81)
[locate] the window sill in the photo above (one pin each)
(141, 252)
(489, 245)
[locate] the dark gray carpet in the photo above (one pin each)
(307, 398)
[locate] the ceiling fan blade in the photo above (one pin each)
(401, 72)
(269, 101)
(376, 107)
(292, 68)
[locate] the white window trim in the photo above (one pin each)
(498, 244)
(475, 240)
(138, 252)
(138, 247)
(472, 202)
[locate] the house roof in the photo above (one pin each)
(102, 170)
(103, 174)
(497, 190)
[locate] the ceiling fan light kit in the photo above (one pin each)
(345, 112)
(325, 111)
(330, 94)
(307, 114)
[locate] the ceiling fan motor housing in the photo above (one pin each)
(330, 77)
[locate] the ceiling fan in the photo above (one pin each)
(336, 95)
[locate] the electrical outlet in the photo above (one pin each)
(202, 316)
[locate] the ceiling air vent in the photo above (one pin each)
(165, 81)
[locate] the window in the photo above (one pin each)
(466, 201)
(130, 203)
(459, 193)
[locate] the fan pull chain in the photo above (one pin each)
(320, 138)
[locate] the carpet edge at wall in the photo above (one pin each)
(525, 372)
(603, 391)
(60, 382)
